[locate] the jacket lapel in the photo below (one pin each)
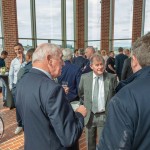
(90, 83)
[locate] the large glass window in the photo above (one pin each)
(147, 17)
(48, 19)
(94, 23)
(24, 19)
(123, 23)
(70, 23)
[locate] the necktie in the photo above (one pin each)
(95, 96)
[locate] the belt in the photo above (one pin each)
(99, 113)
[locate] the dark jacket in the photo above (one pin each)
(87, 68)
(24, 70)
(128, 123)
(119, 60)
(2, 62)
(126, 70)
(80, 61)
(48, 119)
(72, 74)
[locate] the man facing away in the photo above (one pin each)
(128, 123)
(119, 60)
(48, 119)
(96, 88)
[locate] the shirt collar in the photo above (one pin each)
(94, 76)
(44, 72)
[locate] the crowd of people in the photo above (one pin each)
(57, 94)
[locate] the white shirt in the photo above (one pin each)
(14, 69)
(101, 96)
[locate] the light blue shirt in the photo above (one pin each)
(14, 69)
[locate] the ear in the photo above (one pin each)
(91, 66)
(135, 64)
(49, 60)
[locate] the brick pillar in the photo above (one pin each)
(10, 29)
(105, 18)
(137, 19)
(79, 24)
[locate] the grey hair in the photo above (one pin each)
(81, 51)
(67, 54)
(141, 49)
(91, 48)
(45, 49)
(97, 57)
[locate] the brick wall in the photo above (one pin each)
(79, 24)
(9, 18)
(137, 19)
(105, 16)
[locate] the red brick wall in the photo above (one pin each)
(79, 24)
(9, 18)
(137, 19)
(105, 15)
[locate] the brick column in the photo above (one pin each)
(137, 19)
(10, 29)
(79, 24)
(105, 18)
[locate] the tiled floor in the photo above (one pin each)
(10, 141)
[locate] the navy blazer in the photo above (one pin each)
(72, 74)
(48, 119)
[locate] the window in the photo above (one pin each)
(147, 17)
(24, 19)
(70, 23)
(94, 23)
(48, 19)
(123, 23)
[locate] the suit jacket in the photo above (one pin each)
(48, 119)
(80, 61)
(85, 90)
(87, 68)
(72, 74)
(119, 60)
(126, 70)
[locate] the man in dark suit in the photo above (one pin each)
(48, 119)
(105, 89)
(119, 60)
(80, 61)
(89, 51)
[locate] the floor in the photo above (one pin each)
(10, 141)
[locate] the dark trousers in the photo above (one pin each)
(18, 118)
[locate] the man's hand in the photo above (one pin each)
(81, 109)
(66, 89)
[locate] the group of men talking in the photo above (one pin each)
(119, 120)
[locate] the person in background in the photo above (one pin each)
(119, 60)
(71, 74)
(104, 55)
(128, 123)
(15, 66)
(96, 89)
(28, 66)
(3, 56)
(75, 55)
(48, 118)
(110, 64)
(89, 51)
(81, 61)
(127, 52)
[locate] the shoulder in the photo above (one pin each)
(87, 75)
(109, 75)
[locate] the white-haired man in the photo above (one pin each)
(48, 119)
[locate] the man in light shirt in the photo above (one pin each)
(15, 66)
(102, 84)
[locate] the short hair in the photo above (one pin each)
(18, 44)
(81, 51)
(30, 52)
(67, 54)
(97, 57)
(120, 49)
(92, 48)
(75, 50)
(45, 49)
(111, 52)
(141, 49)
(4, 53)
